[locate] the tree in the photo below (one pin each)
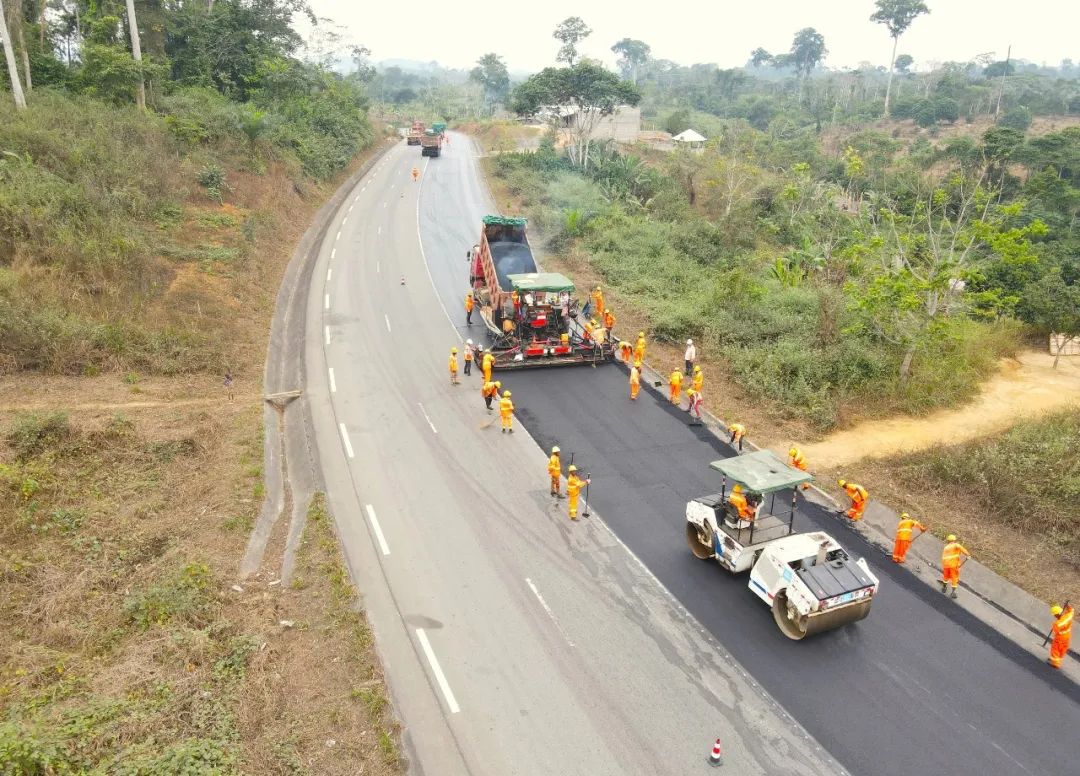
(491, 73)
(9, 58)
(807, 52)
(590, 90)
(760, 56)
(1018, 118)
(902, 64)
(632, 55)
(897, 16)
(570, 32)
(136, 53)
(1053, 306)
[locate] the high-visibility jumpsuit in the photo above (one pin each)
(453, 369)
(609, 320)
(469, 303)
(799, 462)
(555, 472)
(859, 497)
(506, 412)
(950, 564)
(486, 365)
(625, 350)
(635, 382)
(675, 384)
(488, 391)
(639, 350)
(738, 431)
(699, 380)
(1062, 630)
(515, 297)
(588, 330)
(597, 302)
(903, 537)
(573, 492)
(738, 500)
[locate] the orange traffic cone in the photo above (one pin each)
(715, 759)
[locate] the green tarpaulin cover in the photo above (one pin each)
(761, 472)
(541, 281)
(504, 221)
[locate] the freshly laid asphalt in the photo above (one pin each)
(918, 687)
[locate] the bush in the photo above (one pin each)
(186, 598)
(33, 434)
(1018, 118)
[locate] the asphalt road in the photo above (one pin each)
(514, 642)
(918, 687)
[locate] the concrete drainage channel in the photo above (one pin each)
(290, 461)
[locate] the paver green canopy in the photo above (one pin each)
(761, 472)
(504, 221)
(541, 281)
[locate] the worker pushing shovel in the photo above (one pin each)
(1061, 632)
(951, 562)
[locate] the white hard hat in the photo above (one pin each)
(689, 342)
(468, 342)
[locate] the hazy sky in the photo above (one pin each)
(457, 32)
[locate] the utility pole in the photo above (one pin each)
(1001, 88)
(136, 52)
(9, 57)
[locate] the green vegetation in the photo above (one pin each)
(1027, 478)
(95, 193)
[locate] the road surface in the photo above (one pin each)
(514, 642)
(918, 687)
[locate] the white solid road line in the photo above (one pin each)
(345, 439)
(440, 677)
(326, 302)
(326, 329)
(428, 419)
(387, 319)
(547, 609)
(383, 548)
(333, 383)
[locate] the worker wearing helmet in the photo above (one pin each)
(486, 364)
(738, 431)
(951, 562)
(453, 366)
(469, 304)
(699, 379)
(695, 400)
(609, 320)
(674, 386)
(506, 412)
(597, 301)
(1061, 631)
(489, 391)
(469, 349)
(635, 380)
(625, 351)
(639, 347)
(859, 497)
(555, 472)
(415, 174)
(738, 501)
(904, 537)
(589, 327)
(573, 490)
(798, 460)
(689, 357)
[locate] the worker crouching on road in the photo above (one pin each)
(1061, 631)
(798, 460)
(675, 385)
(858, 496)
(506, 412)
(489, 391)
(573, 490)
(738, 431)
(626, 350)
(635, 380)
(453, 367)
(951, 562)
(904, 537)
(555, 472)
(694, 409)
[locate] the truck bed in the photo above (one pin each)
(511, 258)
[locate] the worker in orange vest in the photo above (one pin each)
(589, 327)
(674, 385)
(625, 351)
(903, 536)
(858, 496)
(555, 471)
(489, 391)
(469, 304)
(515, 297)
(486, 365)
(415, 174)
(1062, 633)
(639, 347)
(453, 366)
(573, 490)
(506, 412)
(598, 301)
(798, 460)
(635, 380)
(951, 562)
(738, 430)
(609, 320)
(469, 354)
(738, 500)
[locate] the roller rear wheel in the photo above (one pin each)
(700, 543)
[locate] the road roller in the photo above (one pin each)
(806, 578)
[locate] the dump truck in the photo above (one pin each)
(808, 580)
(431, 143)
(416, 133)
(530, 316)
